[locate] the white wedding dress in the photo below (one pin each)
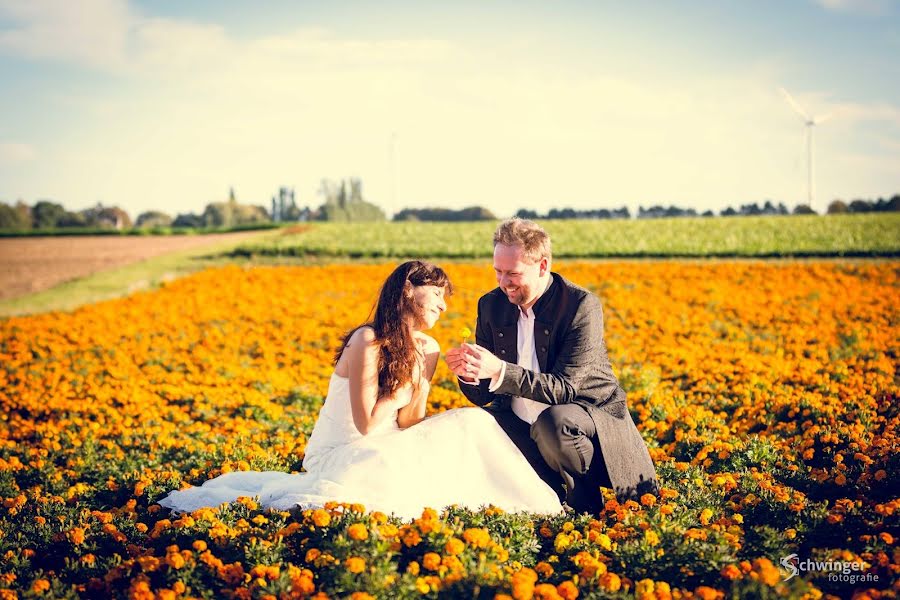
(457, 457)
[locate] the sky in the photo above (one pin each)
(167, 105)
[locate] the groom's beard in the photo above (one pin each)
(517, 297)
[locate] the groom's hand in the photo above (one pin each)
(455, 358)
(480, 363)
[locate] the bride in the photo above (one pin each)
(372, 443)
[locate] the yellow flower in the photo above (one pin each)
(465, 333)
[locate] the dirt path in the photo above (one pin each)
(32, 264)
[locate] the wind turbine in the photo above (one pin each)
(809, 122)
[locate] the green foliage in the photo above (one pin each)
(11, 218)
(790, 236)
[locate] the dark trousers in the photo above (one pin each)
(563, 449)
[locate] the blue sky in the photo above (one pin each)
(165, 105)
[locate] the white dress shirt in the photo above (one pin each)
(525, 408)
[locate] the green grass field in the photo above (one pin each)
(868, 235)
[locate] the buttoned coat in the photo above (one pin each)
(575, 369)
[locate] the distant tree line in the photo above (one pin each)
(891, 204)
(343, 202)
(472, 213)
(745, 210)
(46, 214)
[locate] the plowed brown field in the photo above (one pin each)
(32, 264)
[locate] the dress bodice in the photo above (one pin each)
(335, 426)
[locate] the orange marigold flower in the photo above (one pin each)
(431, 561)
(544, 569)
(176, 561)
(321, 518)
(39, 586)
(76, 535)
(357, 532)
(312, 554)
(355, 564)
(766, 571)
(454, 546)
(545, 591)
(648, 499)
(478, 537)
(610, 582)
(568, 590)
(731, 572)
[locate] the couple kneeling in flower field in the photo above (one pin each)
(553, 426)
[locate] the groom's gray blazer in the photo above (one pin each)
(575, 368)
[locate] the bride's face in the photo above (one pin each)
(429, 299)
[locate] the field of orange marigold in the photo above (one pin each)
(766, 393)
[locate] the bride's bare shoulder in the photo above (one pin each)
(365, 334)
(429, 344)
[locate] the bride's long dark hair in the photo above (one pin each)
(397, 353)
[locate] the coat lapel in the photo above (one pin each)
(542, 331)
(506, 334)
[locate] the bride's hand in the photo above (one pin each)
(401, 398)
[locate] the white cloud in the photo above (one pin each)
(198, 110)
(866, 7)
(89, 32)
(14, 152)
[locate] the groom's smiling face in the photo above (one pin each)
(521, 279)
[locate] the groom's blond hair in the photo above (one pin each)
(529, 235)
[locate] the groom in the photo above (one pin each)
(540, 367)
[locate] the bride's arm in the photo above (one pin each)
(368, 409)
(414, 412)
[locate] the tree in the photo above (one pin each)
(70, 219)
(803, 209)
(47, 214)
(861, 206)
(218, 214)
(11, 218)
(188, 220)
(343, 205)
(837, 207)
(113, 216)
(153, 218)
